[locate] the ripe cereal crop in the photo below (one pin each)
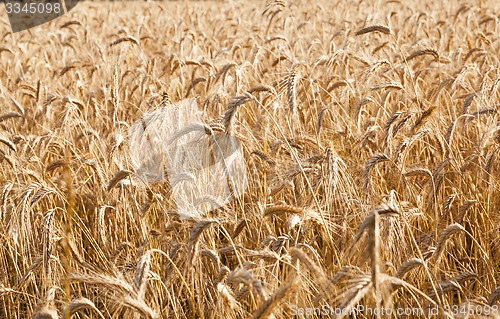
(370, 133)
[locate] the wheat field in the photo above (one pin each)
(371, 137)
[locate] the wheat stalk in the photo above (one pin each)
(78, 305)
(266, 309)
(443, 237)
(408, 265)
(119, 176)
(374, 28)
